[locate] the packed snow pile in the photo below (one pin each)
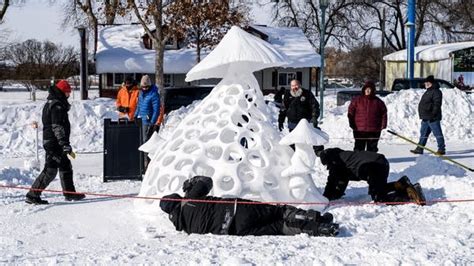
(229, 136)
(402, 106)
(17, 135)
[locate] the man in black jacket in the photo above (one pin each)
(56, 132)
(345, 166)
(298, 104)
(236, 216)
(429, 110)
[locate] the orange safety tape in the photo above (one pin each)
(333, 203)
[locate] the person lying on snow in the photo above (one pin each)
(238, 218)
(345, 166)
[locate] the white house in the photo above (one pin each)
(445, 61)
(125, 50)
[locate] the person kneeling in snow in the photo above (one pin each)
(345, 166)
(239, 216)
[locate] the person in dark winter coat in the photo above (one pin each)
(345, 166)
(234, 217)
(367, 117)
(429, 110)
(298, 104)
(56, 132)
(148, 107)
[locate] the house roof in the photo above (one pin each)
(432, 52)
(120, 50)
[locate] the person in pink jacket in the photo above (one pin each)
(367, 117)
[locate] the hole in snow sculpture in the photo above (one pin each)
(229, 136)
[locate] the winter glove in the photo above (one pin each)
(197, 187)
(280, 126)
(67, 150)
(123, 109)
(156, 128)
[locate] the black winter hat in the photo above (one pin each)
(430, 79)
(169, 205)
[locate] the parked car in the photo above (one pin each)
(417, 83)
(176, 97)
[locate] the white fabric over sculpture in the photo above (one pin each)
(229, 135)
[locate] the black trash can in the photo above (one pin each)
(122, 159)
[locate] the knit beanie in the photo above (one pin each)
(64, 86)
(145, 82)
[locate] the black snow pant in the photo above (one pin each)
(366, 141)
(55, 160)
(375, 173)
(258, 219)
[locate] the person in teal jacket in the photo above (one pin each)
(148, 107)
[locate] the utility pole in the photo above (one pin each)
(84, 74)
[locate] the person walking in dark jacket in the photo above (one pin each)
(298, 104)
(232, 216)
(429, 110)
(56, 132)
(345, 166)
(367, 117)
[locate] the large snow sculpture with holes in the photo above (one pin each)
(229, 136)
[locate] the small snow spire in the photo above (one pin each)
(304, 133)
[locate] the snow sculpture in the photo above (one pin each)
(229, 136)
(304, 137)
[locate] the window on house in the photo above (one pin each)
(167, 80)
(109, 80)
(118, 79)
(284, 79)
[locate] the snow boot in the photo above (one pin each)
(35, 200)
(74, 197)
(293, 214)
(415, 193)
(311, 228)
(417, 150)
(440, 152)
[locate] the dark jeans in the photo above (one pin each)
(54, 160)
(427, 127)
(366, 141)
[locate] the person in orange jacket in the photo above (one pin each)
(127, 99)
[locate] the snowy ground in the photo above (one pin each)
(108, 230)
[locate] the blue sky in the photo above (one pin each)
(39, 20)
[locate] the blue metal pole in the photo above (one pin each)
(411, 39)
(321, 51)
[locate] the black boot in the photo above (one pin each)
(74, 197)
(41, 182)
(417, 150)
(310, 228)
(68, 185)
(35, 200)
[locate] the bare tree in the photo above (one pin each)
(5, 5)
(306, 15)
(454, 18)
(36, 62)
(202, 24)
(91, 13)
(150, 15)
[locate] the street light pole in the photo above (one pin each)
(84, 74)
(411, 39)
(323, 4)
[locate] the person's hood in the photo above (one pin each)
(169, 205)
(368, 84)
